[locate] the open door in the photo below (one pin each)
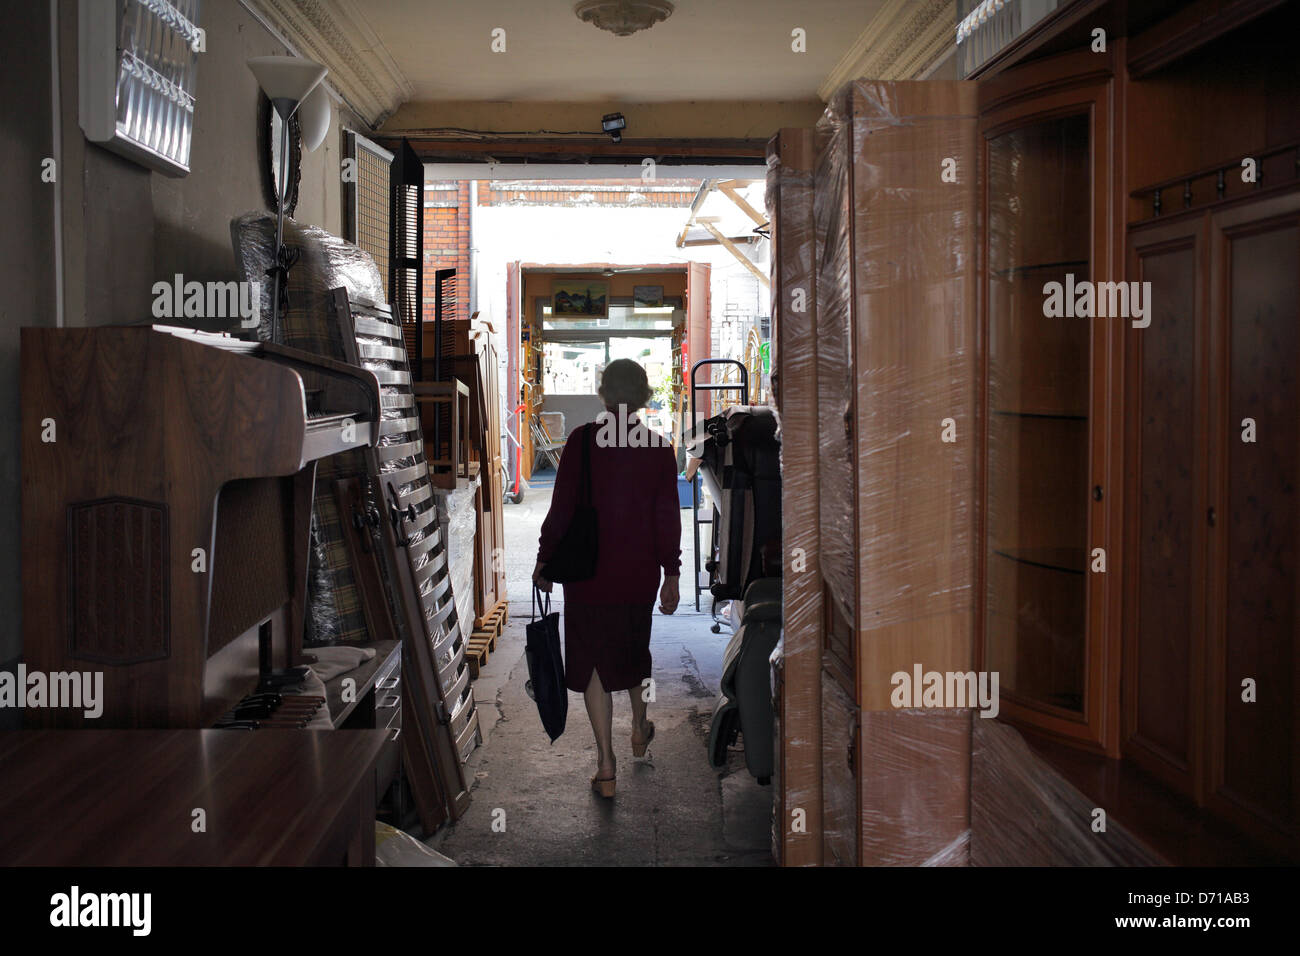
(696, 344)
(511, 390)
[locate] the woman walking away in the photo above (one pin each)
(639, 528)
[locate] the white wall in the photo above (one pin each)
(569, 235)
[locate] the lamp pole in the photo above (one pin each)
(283, 109)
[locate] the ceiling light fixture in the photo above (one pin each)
(623, 17)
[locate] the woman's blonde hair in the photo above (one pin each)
(625, 383)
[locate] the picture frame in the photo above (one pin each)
(580, 298)
(647, 296)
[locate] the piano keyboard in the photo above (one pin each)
(271, 711)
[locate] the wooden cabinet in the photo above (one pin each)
(1214, 443)
(1119, 545)
(895, 356)
(1047, 411)
(1166, 438)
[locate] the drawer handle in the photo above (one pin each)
(397, 732)
(392, 700)
(388, 683)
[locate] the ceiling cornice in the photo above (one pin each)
(901, 41)
(335, 34)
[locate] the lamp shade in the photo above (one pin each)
(314, 117)
(286, 80)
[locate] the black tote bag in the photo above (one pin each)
(575, 556)
(546, 666)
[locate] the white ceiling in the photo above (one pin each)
(707, 49)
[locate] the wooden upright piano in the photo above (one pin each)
(166, 494)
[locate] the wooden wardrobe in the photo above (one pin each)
(1114, 530)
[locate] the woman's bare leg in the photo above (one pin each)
(639, 705)
(600, 708)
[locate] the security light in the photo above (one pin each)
(613, 124)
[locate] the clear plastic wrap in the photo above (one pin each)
(458, 517)
(1024, 813)
(797, 816)
(895, 341)
(325, 262)
(894, 215)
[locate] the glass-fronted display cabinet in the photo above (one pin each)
(1043, 537)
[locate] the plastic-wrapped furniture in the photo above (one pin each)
(745, 707)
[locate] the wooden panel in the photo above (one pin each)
(1164, 577)
(1190, 28)
(1260, 521)
(840, 759)
(252, 560)
(1210, 108)
(120, 581)
(273, 798)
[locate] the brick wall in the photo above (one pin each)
(446, 239)
(671, 193)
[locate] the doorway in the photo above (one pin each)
(575, 352)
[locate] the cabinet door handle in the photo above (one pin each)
(1210, 516)
(1096, 493)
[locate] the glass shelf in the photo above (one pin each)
(1036, 492)
(1062, 416)
(1020, 270)
(1068, 560)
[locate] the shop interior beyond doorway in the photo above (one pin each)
(644, 320)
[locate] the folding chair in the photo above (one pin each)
(544, 446)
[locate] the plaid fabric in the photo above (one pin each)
(325, 262)
(344, 595)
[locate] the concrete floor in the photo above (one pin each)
(671, 809)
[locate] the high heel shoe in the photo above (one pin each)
(603, 786)
(638, 750)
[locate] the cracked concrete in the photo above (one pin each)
(532, 802)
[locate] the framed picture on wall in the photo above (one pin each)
(588, 298)
(647, 296)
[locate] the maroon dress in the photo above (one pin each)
(607, 617)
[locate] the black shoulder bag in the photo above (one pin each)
(575, 556)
